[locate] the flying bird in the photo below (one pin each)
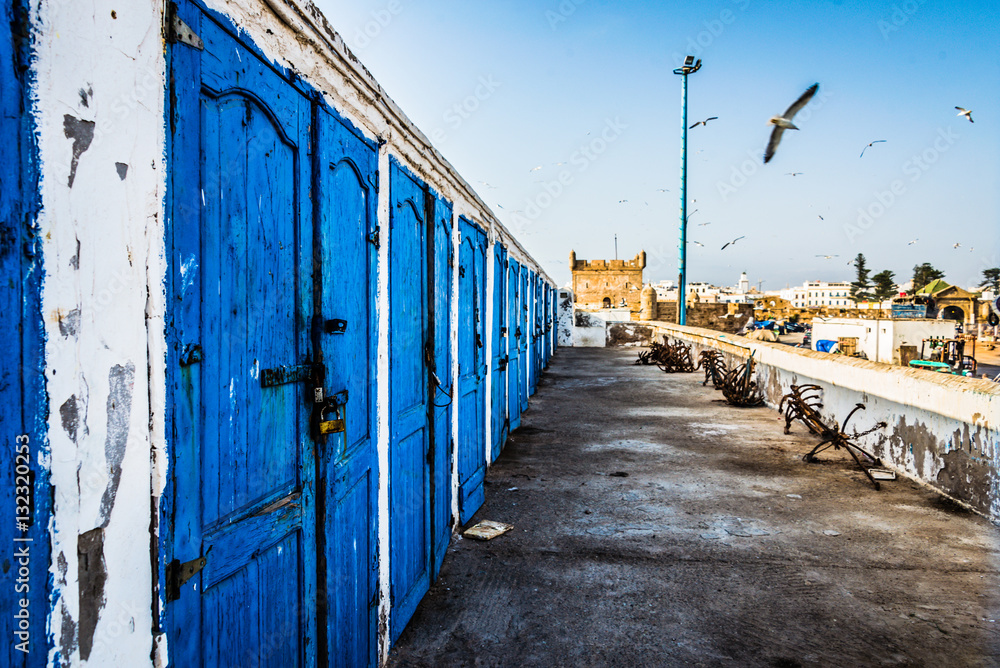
(622, 201)
(784, 122)
(730, 243)
(697, 243)
(662, 190)
(535, 169)
(704, 122)
(488, 185)
(869, 146)
(965, 112)
(793, 173)
(704, 224)
(821, 217)
(956, 245)
(827, 257)
(912, 242)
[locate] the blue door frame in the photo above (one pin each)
(241, 503)
(524, 343)
(473, 360)
(498, 365)
(24, 486)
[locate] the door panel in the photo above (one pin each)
(244, 468)
(409, 470)
(514, 347)
(346, 167)
(441, 416)
(501, 419)
(472, 368)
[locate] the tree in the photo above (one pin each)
(991, 280)
(885, 287)
(860, 287)
(924, 274)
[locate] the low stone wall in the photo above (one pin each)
(721, 317)
(943, 430)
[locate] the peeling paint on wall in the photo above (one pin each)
(82, 133)
(93, 575)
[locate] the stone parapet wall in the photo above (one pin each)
(943, 430)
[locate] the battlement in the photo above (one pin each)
(638, 263)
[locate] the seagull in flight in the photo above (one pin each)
(821, 217)
(965, 112)
(912, 242)
(704, 224)
(730, 243)
(623, 201)
(827, 257)
(704, 122)
(697, 243)
(662, 190)
(869, 146)
(535, 169)
(492, 187)
(793, 173)
(784, 122)
(956, 245)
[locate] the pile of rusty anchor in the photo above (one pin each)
(714, 366)
(740, 389)
(803, 404)
(670, 357)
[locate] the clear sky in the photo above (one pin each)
(505, 87)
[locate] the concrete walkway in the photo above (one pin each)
(657, 526)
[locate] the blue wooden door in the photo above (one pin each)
(24, 490)
(498, 365)
(525, 326)
(409, 468)
(243, 463)
(532, 331)
(441, 439)
(472, 368)
(344, 332)
(514, 348)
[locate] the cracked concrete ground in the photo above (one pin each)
(657, 526)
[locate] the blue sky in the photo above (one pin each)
(505, 87)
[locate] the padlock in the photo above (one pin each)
(330, 426)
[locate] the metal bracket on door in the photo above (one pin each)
(179, 573)
(181, 33)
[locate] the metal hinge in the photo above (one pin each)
(178, 574)
(374, 180)
(373, 238)
(181, 33)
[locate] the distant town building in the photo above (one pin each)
(813, 294)
(607, 283)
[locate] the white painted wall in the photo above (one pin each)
(880, 339)
(98, 98)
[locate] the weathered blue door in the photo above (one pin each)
(409, 466)
(533, 310)
(498, 387)
(345, 334)
(515, 335)
(241, 582)
(441, 441)
(24, 490)
(472, 368)
(525, 326)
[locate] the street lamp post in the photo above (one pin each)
(689, 67)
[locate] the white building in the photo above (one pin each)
(880, 340)
(814, 294)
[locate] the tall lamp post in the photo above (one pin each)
(689, 67)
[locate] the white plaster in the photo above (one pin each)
(383, 405)
(116, 63)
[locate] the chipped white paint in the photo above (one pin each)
(98, 96)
